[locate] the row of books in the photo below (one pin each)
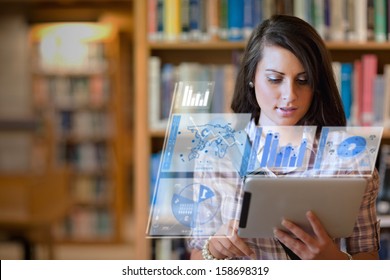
(234, 20)
(71, 91)
(53, 55)
(163, 78)
(85, 223)
(365, 91)
(84, 124)
(85, 157)
(92, 190)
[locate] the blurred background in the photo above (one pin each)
(85, 95)
(66, 124)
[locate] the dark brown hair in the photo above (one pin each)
(303, 41)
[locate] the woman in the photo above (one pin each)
(286, 78)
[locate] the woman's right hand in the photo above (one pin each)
(227, 244)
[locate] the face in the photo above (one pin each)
(282, 89)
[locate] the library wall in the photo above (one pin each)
(204, 40)
(65, 108)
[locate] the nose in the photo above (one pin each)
(288, 92)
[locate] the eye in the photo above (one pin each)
(273, 80)
(302, 81)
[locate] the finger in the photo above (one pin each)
(299, 233)
(317, 226)
(230, 246)
(292, 243)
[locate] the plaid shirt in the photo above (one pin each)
(365, 236)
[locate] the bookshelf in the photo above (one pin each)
(77, 95)
(149, 141)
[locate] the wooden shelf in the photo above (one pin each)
(226, 45)
(175, 52)
(194, 45)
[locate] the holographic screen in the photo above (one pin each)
(205, 157)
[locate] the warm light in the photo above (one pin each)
(85, 32)
(69, 45)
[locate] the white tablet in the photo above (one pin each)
(267, 200)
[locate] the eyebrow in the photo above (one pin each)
(281, 73)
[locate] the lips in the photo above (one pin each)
(286, 111)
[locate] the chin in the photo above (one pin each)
(287, 122)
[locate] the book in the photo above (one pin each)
(235, 20)
(378, 98)
(386, 99)
(172, 20)
(369, 71)
(387, 19)
(160, 19)
(185, 20)
(337, 21)
(168, 80)
(357, 93)
(152, 20)
(248, 24)
(350, 20)
(370, 20)
(361, 20)
(154, 92)
(380, 20)
(212, 13)
(223, 19)
(336, 65)
(269, 8)
(346, 72)
(319, 17)
(195, 28)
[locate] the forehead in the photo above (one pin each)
(279, 59)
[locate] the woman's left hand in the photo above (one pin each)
(307, 246)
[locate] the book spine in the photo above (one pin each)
(204, 20)
(152, 20)
(369, 68)
(327, 18)
(218, 102)
(160, 19)
(248, 18)
(223, 19)
(351, 29)
(172, 20)
(167, 86)
(154, 91)
(380, 20)
(388, 19)
(357, 92)
(235, 20)
(386, 100)
(257, 12)
(337, 25)
(212, 19)
(185, 20)
(346, 88)
(195, 32)
(370, 20)
(319, 17)
(378, 98)
(361, 20)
